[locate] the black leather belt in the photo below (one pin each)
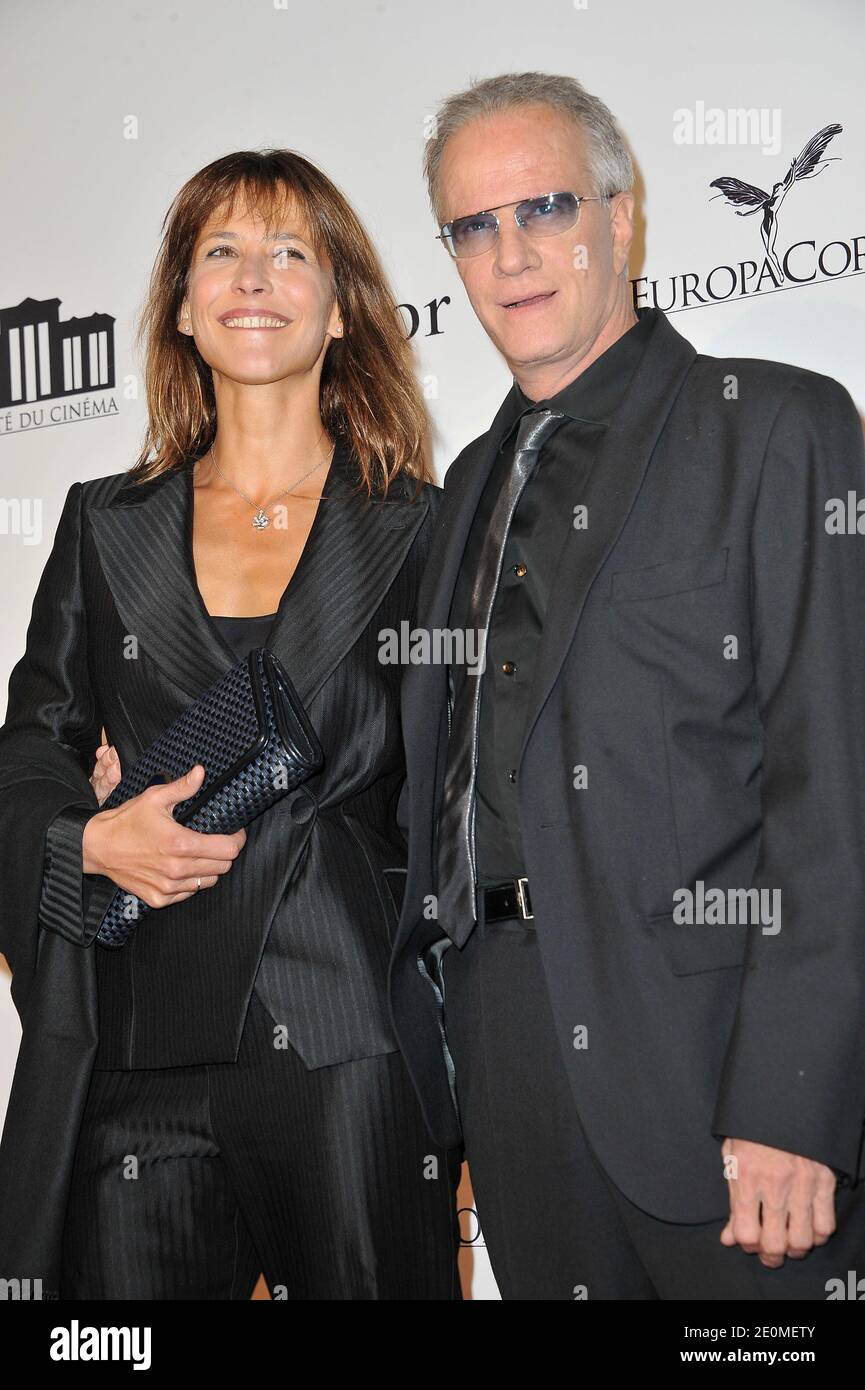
(507, 901)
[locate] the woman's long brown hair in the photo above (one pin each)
(369, 396)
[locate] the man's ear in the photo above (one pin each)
(622, 227)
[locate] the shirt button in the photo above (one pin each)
(509, 667)
(512, 774)
(520, 571)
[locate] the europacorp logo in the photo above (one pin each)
(774, 266)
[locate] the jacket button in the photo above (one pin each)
(509, 667)
(302, 808)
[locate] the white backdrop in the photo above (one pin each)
(109, 106)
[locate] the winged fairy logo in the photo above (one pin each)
(747, 199)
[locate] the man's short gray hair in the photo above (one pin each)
(610, 164)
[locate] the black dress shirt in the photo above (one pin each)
(543, 520)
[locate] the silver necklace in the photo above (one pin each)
(261, 519)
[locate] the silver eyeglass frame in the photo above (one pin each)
(445, 232)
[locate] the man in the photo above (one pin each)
(637, 855)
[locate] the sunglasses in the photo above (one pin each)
(546, 215)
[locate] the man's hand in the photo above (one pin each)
(780, 1204)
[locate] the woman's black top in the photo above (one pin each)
(245, 633)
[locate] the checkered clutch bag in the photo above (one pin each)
(251, 734)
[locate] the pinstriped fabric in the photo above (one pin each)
(158, 529)
(314, 977)
(176, 995)
(61, 902)
(361, 1188)
(353, 552)
(241, 711)
(120, 638)
(325, 1180)
(151, 1212)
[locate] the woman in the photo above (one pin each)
(223, 1095)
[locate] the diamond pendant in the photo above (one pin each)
(260, 520)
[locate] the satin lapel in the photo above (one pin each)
(144, 538)
(458, 512)
(424, 688)
(426, 685)
(353, 553)
(609, 495)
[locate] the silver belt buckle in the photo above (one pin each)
(523, 899)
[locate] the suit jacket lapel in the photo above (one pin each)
(144, 537)
(609, 495)
(424, 687)
(353, 553)
(457, 514)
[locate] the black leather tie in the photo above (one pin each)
(457, 908)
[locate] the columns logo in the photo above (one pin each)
(45, 358)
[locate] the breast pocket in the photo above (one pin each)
(692, 948)
(699, 570)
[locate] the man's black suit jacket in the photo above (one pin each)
(703, 658)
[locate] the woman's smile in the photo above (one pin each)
(253, 321)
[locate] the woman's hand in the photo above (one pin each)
(142, 849)
(106, 773)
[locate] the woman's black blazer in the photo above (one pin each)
(119, 637)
